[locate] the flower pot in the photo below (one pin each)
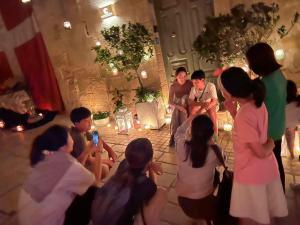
(151, 114)
(101, 122)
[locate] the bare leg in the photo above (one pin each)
(212, 112)
(290, 139)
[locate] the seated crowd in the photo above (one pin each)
(64, 186)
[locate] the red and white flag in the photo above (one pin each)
(23, 54)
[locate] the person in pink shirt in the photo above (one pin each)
(257, 193)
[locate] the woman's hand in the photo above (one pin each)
(156, 168)
(231, 106)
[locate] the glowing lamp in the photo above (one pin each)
(227, 127)
(67, 25)
(98, 43)
(124, 120)
(279, 54)
(144, 74)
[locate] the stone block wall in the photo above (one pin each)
(290, 44)
(81, 81)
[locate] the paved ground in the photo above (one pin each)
(14, 167)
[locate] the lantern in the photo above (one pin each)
(124, 120)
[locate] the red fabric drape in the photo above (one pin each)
(5, 71)
(32, 55)
(39, 74)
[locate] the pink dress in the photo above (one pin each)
(257, 192)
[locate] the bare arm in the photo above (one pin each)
(110, 151)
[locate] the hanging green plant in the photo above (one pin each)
(128, 46)
(226, 38)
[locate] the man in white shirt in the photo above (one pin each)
(203, 97)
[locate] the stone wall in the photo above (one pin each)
(83, 82)
(290, 43)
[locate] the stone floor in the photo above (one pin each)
(14, 168)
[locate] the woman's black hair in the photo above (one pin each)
(51, 139)
(202, 130)
(291, 90)
(180, 69)
(237, 83)
(261, 59)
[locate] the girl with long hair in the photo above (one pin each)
(196, 168)
(56, 178)
(262, 61)
(257, 194)
(130, 196)
(178, 100)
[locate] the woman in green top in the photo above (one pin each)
(262, 61)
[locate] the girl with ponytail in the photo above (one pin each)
(130, 196)
(196, 168)
(55, 180)
(257, 194)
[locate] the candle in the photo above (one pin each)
(227, 127)
(144, 74)
(19, 128)
(2, 124)
(147, 126)
(109, 125)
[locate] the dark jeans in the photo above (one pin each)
(79, 212)
(277, 153)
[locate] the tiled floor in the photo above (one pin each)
(14, 167)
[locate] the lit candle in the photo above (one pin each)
(147, 126)
(144, 74)
(98, 43)
(19, 128)
(67, 25)
(2, 124)
(227, 127)
(40, 114)
(120, 52)
(279, 54)
(168, 120)
(93, 127)
(109, 125)
(115, 71)
(26, 1)
(140, 129)
(116, 127)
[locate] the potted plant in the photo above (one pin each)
(149, 107)
(127, 48)
(101, 118)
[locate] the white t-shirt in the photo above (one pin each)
(292, 115)
(51, 210)
(193, 183)
(210, 92)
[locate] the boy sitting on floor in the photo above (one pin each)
(83, 148)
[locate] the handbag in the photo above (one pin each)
(224, 193)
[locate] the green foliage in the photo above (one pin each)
(146, 95)
(118, 100)
(226, 38)
(127, 47)
(100, 115)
